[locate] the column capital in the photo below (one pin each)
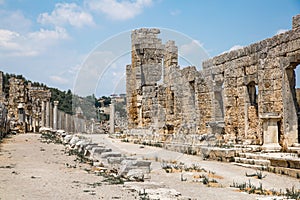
(56, 103)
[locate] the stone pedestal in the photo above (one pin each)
(270, 131)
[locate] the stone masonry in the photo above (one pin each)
(246, 96)
(30, 110)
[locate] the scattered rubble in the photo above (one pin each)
(114, 166)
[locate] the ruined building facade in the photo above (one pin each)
(245, 96)
(28, 108)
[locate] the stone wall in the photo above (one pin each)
(160, 95)
(257, 80)
(244, 96)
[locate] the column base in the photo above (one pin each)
(271, 147)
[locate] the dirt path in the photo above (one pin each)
(30, 169)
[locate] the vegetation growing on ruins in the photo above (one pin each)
(290, 193)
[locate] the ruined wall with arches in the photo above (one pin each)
(259, 85)
(245, 96)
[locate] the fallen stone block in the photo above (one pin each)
(118, 160)
(67, 138)
(88, 149)
(99, 150)
(45, 130)
(127, 165)
(61, 133)
(79, 145)
(115, 160)
(90, 146)
(110, 154)
(135, 175)
(74, 140)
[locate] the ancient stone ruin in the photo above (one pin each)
(29, 109)
(246, 96)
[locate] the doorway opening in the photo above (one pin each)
(294, 88)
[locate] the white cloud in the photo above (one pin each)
(13, 44)
(14, 21)
(2, 2)
(281, 31)
(43, 34)
(119, 10)
(58, 79)
(31, 44)
(66, 13)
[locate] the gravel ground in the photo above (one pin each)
(31, 169)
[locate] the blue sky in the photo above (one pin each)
(51, 41)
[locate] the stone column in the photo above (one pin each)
(33, 123)
(51, 116)
(48, 114)
(55, 115)
(43, 114)
(59, 120)
(270, 131)
(112, 117)
(92, 125)
(67, 123)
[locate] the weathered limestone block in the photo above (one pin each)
(110, 154)
(74, 140)
(99, 150)
(127, 165)
(294, 163)
(279, 162)
(135, 175)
